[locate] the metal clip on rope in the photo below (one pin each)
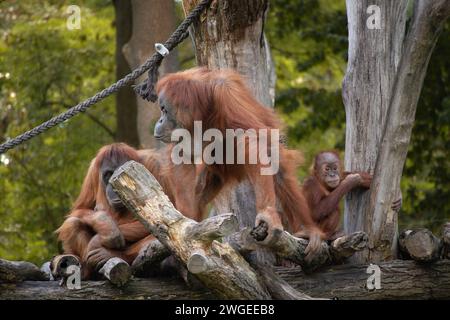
(161, 49)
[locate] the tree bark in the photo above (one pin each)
(126, 102)
(153, 21)
(13, 271)
(420, 245)
(231, 35)
(426, 25)
(380, 90)
(117, 271)
(399, 280)
(289, 247)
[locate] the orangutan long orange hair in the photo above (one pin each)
(221, 100)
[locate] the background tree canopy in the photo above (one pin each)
(46, 68)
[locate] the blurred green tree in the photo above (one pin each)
(46, 68)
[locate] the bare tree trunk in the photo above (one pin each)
(231, 35)
(381, 88)
(153, 21)
(126, 102)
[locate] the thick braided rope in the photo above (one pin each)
(178, 36)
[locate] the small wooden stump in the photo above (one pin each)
(217, 265)
(117, 271)
(14, 271)
(419, 245)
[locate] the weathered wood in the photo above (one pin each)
(13, 271)
(289, 247)
(117, 271)
(400, 279)
(346, 246)
(148, 260)
(214, 228)
(46, 268)
(278, 288)
(60, 263)
(222, 270)
(381, 89)
(420, 245)
(136, 289)
(373, 58)
(446, 241)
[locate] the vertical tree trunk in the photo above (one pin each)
(126, 102)
(426, 25)
(153, 21)
(380, 106)
(231, 35)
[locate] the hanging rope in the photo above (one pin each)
(146, 90)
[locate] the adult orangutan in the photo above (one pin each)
(99, 226)
(326, 187)
(221, 101)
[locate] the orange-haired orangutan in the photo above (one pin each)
(326, 187)
(99, 226)
(220, 100)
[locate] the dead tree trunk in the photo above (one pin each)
(152, 22)
(231, 35)
(381, 89)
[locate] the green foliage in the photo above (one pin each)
(50, 69)
(309, 44)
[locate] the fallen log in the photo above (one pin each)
(217, 265)
(13, 271)
(400, 279)
(420, 245)
(289, 247)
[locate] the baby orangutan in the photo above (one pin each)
(326, 187)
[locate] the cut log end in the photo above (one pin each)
(60, 263)
(148, 261)
(197, 263)
(419, 245)
(117, 271)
